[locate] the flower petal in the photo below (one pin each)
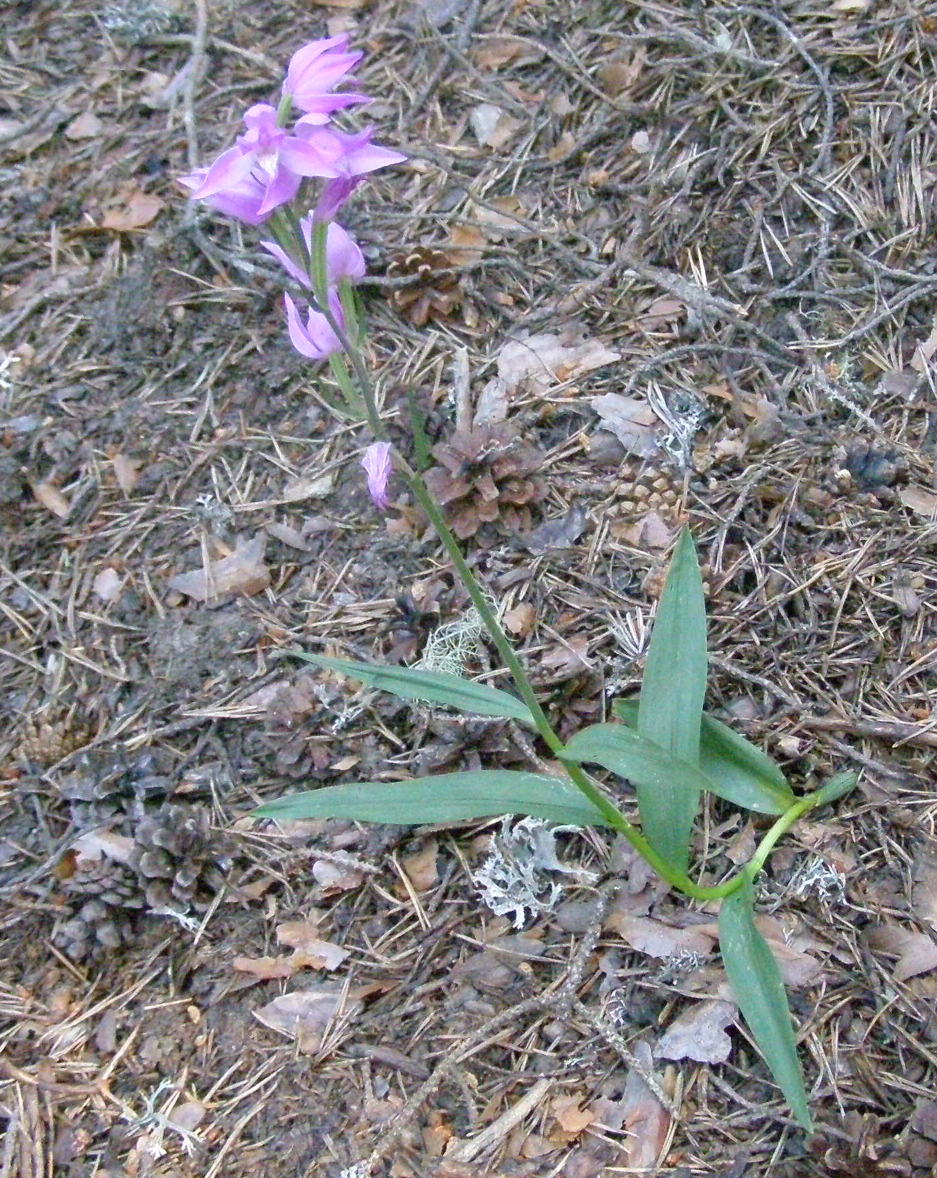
(319, 107)
(313, 339)
(316, 68)
(378, 467)
(343, 256)
(333, 196)
(228, 170)
(280, 191)
(295, 271)
(311, 159)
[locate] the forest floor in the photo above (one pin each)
(688, 252)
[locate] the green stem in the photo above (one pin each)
(346, 384)
(779, 828)
(284, 110)
(320, 288)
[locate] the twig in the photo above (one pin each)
(460, 43)
(504, 1124)
(194, 76)
(893, 730)
(617, 1042)
(444, 1068)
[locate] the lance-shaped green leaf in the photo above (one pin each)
(740, 772)
(837, 787)
(430, 686)
(448, 797)
(671, 704)
(646, 765)
(756, 983)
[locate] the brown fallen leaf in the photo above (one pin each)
(86, 126)
(916, 952)
(297, 934)
(336, 877)
(187, 1116)
(52, 499)
(265, 969)
(535, 1146)
(305, 1015)
(919, 499)
(570, 1115)
(540, 361)
(492, 126)
(651, 534)
(495, 52)
(564, 146)
(699, 1033)
(562, 532)
(520, 620)
(925, 351)
(660, 940)
(502, 962)
(661, 311)
(566, 659)
(503, 213)
(788, 946)
(634, 423)
(136, 211)
(301, 489)
(742, 845)
(466, 243)
(126, 471)
(95, 845)
(924, 889)
(421, 868)
(242, 572)
(646, 1121)
(619, 74)
(309, 950)
(798, 967)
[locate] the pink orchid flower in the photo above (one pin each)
(378, 467)
(241, 200)
(273, 159)
(356, 156)
(343, 258)
(314, 70)
(314, 337)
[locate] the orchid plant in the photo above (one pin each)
(664, 744)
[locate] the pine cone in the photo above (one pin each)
(435, 296)
(174, 859)
(45, 740)
(861, 1149)
(105, 891)
(868, 472)
(484, 476)
(643, 488)
(101, 784)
